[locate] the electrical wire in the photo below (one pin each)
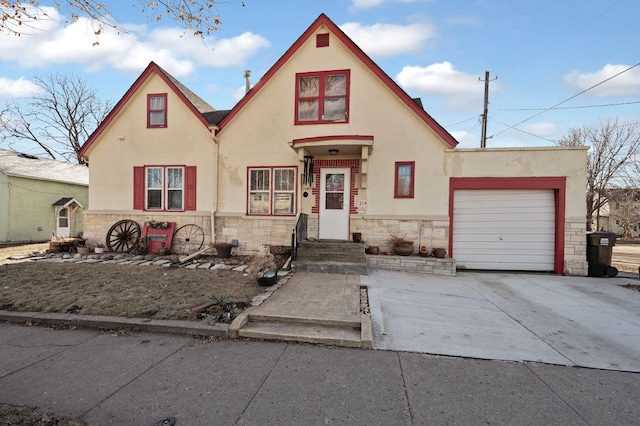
(566, 100)
(573, 107)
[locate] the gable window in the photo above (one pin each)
(164, 188)
(322, 40)
(404, 179)
(157, 110)
(322, 97)
(272, 191)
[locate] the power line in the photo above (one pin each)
(568, 99)
(573, 107)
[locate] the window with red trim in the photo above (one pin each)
(404, 179)
(322, 40)
(271, 191)
(164, 188)
(157, 110)
(322, 97)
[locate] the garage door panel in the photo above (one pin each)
(504, 229)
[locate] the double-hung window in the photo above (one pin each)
(157, 110)
(404, 179)
(272, 191)
(322, 97)
(164, 188)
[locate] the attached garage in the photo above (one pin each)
(504, 229)
(507, 224)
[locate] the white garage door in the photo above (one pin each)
(504, 229)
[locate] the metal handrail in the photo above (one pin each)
(299, 234)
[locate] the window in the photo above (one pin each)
(272, 191)
(157, 110)
(322, 97)
(164, 188)
(404, 179)
(322, 40)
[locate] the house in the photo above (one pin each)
(326, 133)
(620, 214)
(40, 197)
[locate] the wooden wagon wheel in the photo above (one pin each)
(187, 239)
(123, 236)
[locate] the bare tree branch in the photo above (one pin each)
(614, 148)
(59, 118)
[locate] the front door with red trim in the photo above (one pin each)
(335, 185)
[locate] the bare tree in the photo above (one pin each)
(614, 147)
(59, 118)
(624, 209)
(21, 16)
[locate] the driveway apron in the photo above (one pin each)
(577, 321)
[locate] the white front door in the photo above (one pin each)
(63, 228)
(334, 204)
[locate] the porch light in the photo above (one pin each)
(333, 151)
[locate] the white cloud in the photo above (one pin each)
(625, 84)
(367, 4)
(179, 52)
(463, 91)
(20, 88)
(389, 39)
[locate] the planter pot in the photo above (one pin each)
(373, 250)
(403, 249)
(440, 253)
(83, 250)
(268, 279)
(223, 250)
(357, 237)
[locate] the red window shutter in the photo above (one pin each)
(190, 188)
(138, 188)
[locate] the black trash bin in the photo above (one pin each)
(599, 250)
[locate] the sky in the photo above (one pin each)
(553, 64)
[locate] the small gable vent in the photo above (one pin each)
(322, 40)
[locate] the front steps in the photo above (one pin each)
(332, 257)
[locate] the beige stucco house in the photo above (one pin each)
(326, 133)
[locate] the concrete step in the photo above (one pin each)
(309, 333)
(326, 251)
(287, 319)
(325, 267)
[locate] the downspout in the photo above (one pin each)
(216, 142)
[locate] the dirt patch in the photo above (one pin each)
(153, 292)
(27, 416)
(632, 287)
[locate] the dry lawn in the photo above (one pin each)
(120, 290)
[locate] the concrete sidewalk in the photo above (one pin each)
(142, 378)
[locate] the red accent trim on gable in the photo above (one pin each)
(333, 28)
(556, 183)
(138, 188)
(151, 68)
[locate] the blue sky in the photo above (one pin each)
(543, 52)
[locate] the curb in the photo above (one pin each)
(106, 322)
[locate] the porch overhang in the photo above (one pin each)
(359, 146)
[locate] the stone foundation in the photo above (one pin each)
(253, 234)
(416, 264)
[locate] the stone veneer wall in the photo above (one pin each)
(254, 233)
(575, 248)
(96, 224)
(421, 265)
(428, 233)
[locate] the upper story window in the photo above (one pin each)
(157, 110)
(322, 97)
(405, 171)
(272, 191)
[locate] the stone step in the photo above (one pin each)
(332, 247)
(327, 267)
(308, 333)
(330, 322)
(331, 257)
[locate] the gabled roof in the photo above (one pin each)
(66, 202)
(28, 166)
(197, 105)
(416, 107)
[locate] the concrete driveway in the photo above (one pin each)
(577, 321)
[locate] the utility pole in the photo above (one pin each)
(483, 138)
